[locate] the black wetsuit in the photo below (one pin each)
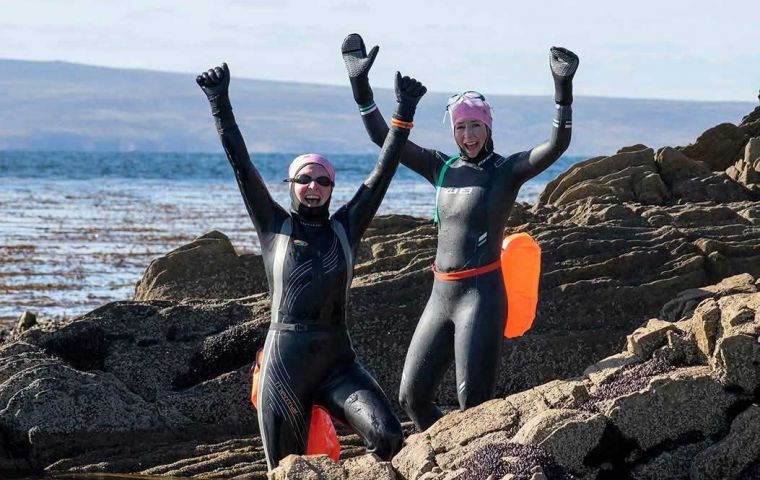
(308, 357)
(464, 319)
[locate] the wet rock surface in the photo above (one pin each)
(654, 252)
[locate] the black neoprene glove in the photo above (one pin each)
(563, 63)
(358, 63)
(215, 84)
(408, 94)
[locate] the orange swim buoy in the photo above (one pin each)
(521, 268)
(323, 439)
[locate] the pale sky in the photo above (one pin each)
(675, 49)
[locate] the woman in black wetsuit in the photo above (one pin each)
(309, 259)
(475, 190)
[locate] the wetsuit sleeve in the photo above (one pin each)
(358, 64)
(423, 161)
(261, 207)
(539, 158)
(358, 212)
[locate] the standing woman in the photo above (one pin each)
(309, 258)
(475, 190)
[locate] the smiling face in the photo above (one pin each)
(471, 136)
(313, 194)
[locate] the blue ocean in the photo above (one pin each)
(78, 229)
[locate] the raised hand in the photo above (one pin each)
(408, 93)
(564, 64)
(358, 64)
(215, 82)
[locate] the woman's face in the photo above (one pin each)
(471, 136)
(312, 194)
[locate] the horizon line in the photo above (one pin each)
(347, 85)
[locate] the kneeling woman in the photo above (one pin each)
(309, 259)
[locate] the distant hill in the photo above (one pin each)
(64, 106)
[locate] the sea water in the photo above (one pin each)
(78, 229)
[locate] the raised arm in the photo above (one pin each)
(362, 207)
(358, 64)
(563, 65)
(261, 207)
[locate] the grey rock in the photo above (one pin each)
(418, 458)
(645, 340)
(671, 464)
(25, 321)
(658, 413)
(732, 454)
(313, 467)
(368, 467)
(568, 436)
(206, 268)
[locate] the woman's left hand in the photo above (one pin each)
(563, 64)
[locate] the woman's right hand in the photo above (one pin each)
(409, 91)
(215, 82)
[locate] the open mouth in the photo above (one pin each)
(471, 146)
(312, 200)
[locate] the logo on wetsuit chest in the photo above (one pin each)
(300, 243)
(458, 190)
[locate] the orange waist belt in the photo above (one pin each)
(520, 265)
(471, 272)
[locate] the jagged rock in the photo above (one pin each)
(685, 302)
(314, 467)
(368, 467)
(671, 464)
(718, 147)
(752, 151)
(706, 326)
(568, 436)
(691, 180)
(418, 458)
(632, 148)
(25, 321)
(647, 339)
(128, 373)
(51, 410)
(736, 360)
(674, 165)
(206, 268)
(738, 309)
(461, 428)
(746, 170)
(656, 414)
(623, 177)
(680, 348)
(648, 418)
(751, 117)
(733, 454)
(604, 369)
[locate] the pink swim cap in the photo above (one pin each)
(470, 106)
(302, 160)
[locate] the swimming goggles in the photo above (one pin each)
(469, 94)
(304, 179)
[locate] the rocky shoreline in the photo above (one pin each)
(667, 239)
